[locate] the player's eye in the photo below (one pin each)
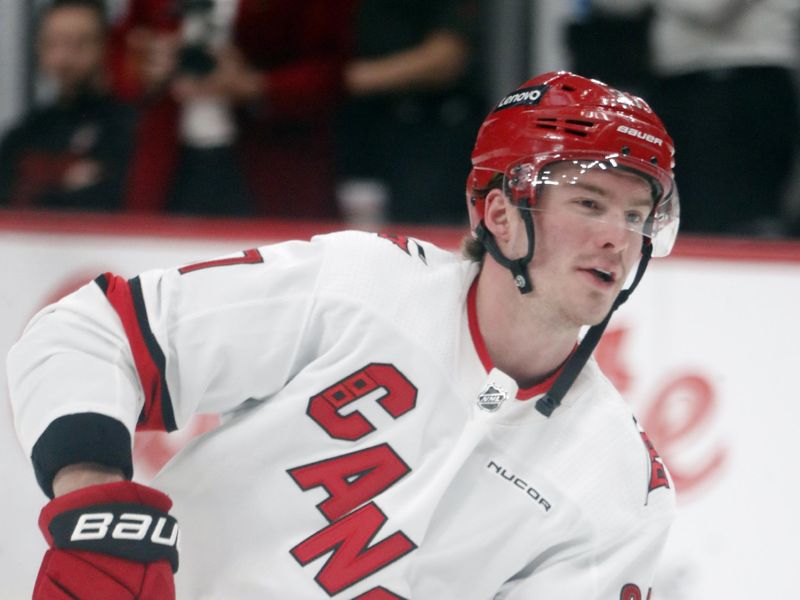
(634, 217)
(588, 204)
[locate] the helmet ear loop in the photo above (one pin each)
(517, 266)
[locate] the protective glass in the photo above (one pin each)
(614, 190)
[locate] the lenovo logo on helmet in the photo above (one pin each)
(641, 135)
(526, 96)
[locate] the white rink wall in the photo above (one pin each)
(705, 352)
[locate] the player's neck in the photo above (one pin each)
(520, 340)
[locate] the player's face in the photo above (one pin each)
(71, 47)
(588, 238)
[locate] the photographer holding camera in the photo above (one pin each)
(236, 99)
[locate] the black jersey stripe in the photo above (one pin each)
(156, 354)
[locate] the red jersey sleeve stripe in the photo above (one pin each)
(128, 301)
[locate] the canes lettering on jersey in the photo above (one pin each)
(352, 480)
(378, 593)
(400, 398)
(632, 592)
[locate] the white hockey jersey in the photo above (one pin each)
(368, 448)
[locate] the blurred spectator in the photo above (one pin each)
(415, 105)
(611, 45)
(237, 99)
(72, 152)
(725, 88)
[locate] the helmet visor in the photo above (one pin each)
(616, 191)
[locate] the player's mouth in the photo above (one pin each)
(603, 277)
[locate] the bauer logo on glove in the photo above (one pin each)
(126, 530)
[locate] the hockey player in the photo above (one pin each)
(397, 422)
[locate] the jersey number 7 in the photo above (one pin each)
(249, 257)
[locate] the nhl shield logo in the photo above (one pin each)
(491, 398)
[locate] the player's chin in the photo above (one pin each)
(595, 314)
(593, 320)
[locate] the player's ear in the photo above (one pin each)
(498, 216)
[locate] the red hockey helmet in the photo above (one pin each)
(559, 117)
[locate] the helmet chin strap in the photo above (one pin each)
(577, 360)
(575, 363)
